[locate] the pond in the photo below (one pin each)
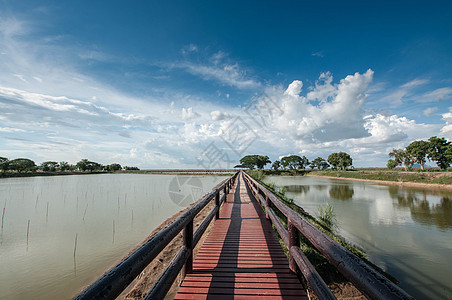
(99, 218)
(407, 232)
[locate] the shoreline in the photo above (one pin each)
(434, 186)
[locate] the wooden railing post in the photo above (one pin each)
(293, 241)
(188, 242)
(267, 206)
(217, 205)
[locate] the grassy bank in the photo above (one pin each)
(395, 176)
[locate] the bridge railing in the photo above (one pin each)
(114, 281)
(365, 278)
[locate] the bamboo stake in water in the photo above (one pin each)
(113, 232)
(75, 245)
(3, 215)
(28, 232)
(84, 214)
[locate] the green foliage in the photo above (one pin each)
(402, 157)
(391, 164)
(49, 166)
(4, 162)
(90, 166)
(327, 215)
(252, 161)
(113, 167)
(440, 150)
(418, 151)
(256, 174)
(319, 163)
(276, 165)
(22, 165)
(131, 168)
(294, 162)
(340, 160)
(65, 166)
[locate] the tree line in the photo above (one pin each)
(21, 165)
(337, 160)
(435, 149)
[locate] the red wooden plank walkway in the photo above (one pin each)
(241, 258)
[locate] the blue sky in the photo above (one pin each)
(176, 84)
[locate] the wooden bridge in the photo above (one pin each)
(242, 258)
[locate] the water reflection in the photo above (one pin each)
(342, 192)
(422, 211)
(301, 189)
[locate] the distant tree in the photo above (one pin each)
(391, 164)
(402, 157)
(294, 162)
(276, 165)
(113, 167)
(340, 160)
(319, 163)
(86, 165)
(131, 168)
(251, 161)
(22, 165)
(440, 150)
(49, 166)
(65, 166)
(418, 150)
(4, 162)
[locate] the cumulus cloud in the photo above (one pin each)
(338, 115)
(189, 114)
(217, 115)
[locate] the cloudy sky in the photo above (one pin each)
(168, 84)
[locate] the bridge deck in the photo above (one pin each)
(241, 258)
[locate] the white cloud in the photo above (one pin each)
(430, 111)
(189, 114)
(415, 83)
(437, 95)
(217, 115)
(10, 130)
(332, 119)
(446, 131)
(294, 88)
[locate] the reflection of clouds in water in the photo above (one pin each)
(425, 209)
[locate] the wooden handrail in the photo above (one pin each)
(114, 281)
(370, 282)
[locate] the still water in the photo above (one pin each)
(407, 232)
(99, 217)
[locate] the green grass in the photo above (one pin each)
(396, 176)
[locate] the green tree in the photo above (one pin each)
(49, 166)
(86, 165)
(440, 151)
(22, 165)
(340, 160)
(294, 162)
(402, 157)
(319, 163)
(4, 162)
(113, 167)
(418, 150)
(391, 164)
(251, 161)
(276, 165)
(65, 166)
